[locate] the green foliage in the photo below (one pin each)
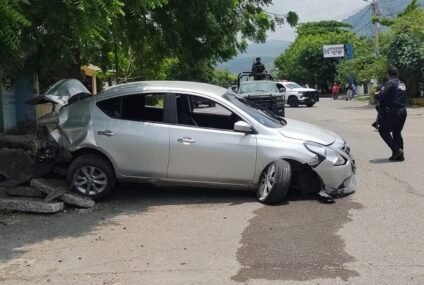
(12, 21)
(131, 39)
(405, 48)
(223, 77)
(365, 66)
(322, 27)
(303, 61)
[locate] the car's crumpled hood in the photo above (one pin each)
(60, 92)
(307, 132)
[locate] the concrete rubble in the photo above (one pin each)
(33, 205)
(24, 191)
(28, 186)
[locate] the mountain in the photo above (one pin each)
(361, 21)
(268, 52)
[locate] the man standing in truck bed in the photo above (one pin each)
(258, 69)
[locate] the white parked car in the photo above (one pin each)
(298, 95)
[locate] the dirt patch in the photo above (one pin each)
(297, 241)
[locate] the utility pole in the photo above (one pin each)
(376, 25)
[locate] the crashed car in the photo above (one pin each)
(150, 132)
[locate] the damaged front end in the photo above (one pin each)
(52, 136)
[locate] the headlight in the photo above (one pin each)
(319, 150)
(322, 153)
(335, 157)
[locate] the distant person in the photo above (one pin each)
(335, 90)
(258, 69)
(392, 116)
(349, 88)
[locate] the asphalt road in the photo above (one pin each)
(145, 235)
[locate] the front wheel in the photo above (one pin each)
(91, 175)
(293, 101)
(274, 182)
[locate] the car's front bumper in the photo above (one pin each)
(338, 180)
(306, 100)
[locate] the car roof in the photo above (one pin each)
(164, 86)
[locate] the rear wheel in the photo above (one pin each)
(293, 101)
(91, 175)
(274, 182)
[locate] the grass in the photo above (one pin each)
(362, 98)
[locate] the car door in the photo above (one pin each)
(204, 148)
(131, 130)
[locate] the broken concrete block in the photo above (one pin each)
(30, 171)
(48, 185)
(13, 162)
(33, 205)
(17, 141)
(57, 193)
(78, 200)
(25, 191)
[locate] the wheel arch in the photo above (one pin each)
(89, 150)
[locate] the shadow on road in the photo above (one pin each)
(381, 161)
(19, 231)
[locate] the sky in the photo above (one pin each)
(312, 10)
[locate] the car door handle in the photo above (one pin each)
(106, 133)
(186, 140)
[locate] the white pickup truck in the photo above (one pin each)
(297, 95)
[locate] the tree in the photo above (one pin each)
(404, 46)
(303, 61)
(12, 21)
(142, 39)
(365, 66)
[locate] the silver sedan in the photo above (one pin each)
(152, 132)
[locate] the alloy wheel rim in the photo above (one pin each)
(90, 180)
(267, 181)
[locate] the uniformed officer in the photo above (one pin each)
(392, 100)
(258, 69)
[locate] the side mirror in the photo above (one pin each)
(242, 127)
(282, 89)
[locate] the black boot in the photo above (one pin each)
(397, 156)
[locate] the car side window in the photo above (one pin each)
(204, 113)
(136, 107)
(111, 107)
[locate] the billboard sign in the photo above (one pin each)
(333, 51)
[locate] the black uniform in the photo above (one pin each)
(258, 69)
(392, 113)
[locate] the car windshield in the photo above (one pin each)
(263, 116)
(292, 85)
(264, 86)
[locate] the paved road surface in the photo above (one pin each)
(191, 236)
